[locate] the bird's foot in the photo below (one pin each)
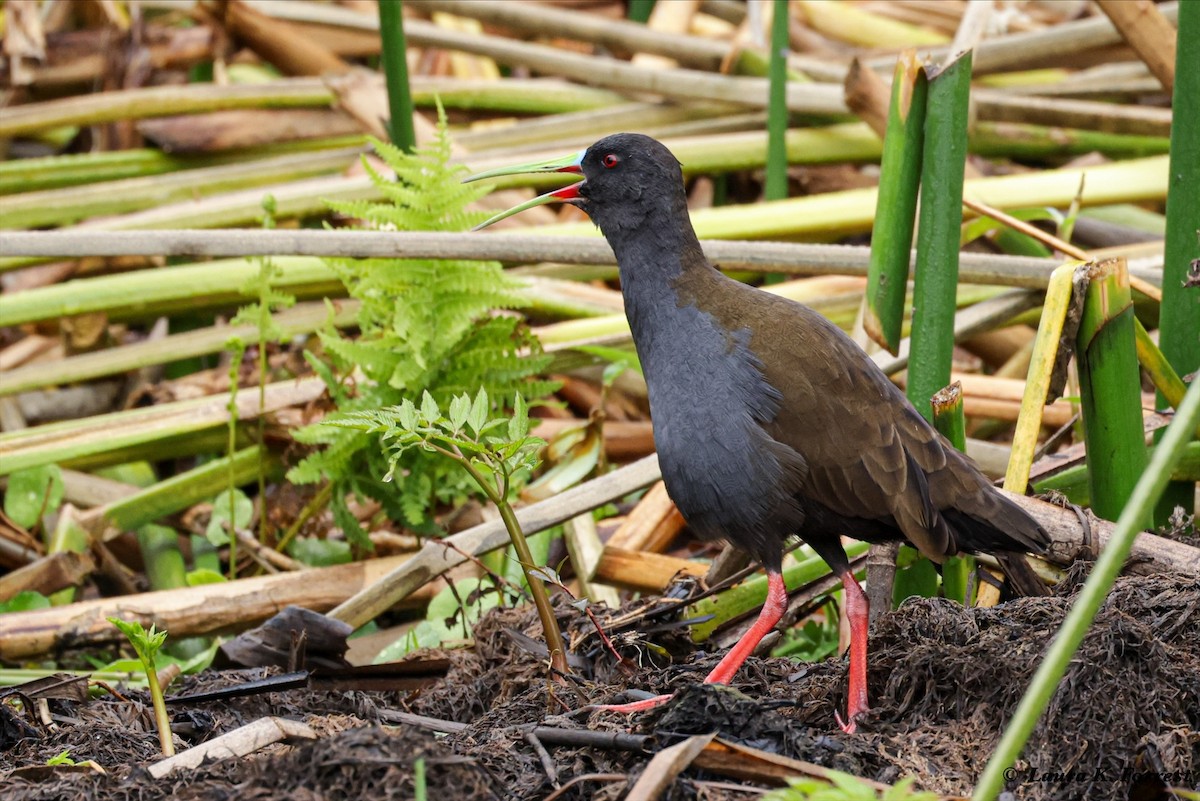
(854, 710)
(635, 706)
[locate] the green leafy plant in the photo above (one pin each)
(32, 493)
(61, 758)
(815, 641)
(232, 509)
(259, 314)
(496, 451)
(426, 326)
(844, 787)
(24, 601)
(147, 644)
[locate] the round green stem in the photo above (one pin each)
(554, 640)
(1087, 604)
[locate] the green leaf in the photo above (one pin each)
(203, 575)
(423, 326)
(24, 601)
(460, 408)
(446, 618)
(518, 424)
(317, 552)
(344, 519)
(479, 412)
(546, 574)
(62, 758)
(467, 446)
(220, 526)
(33, 492)
(429, 408)
(407, 414)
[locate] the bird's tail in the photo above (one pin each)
(1000, 527)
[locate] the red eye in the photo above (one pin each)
(611, 160)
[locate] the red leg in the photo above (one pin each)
(858, 613)
(770, 615)
(771, 612)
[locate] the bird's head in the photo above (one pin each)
(626, 177)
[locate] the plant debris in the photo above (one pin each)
(1124, 724)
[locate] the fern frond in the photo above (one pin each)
(424, 325)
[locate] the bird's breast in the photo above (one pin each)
(709, 401)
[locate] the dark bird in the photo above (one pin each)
(769, 421)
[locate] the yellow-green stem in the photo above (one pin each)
(541, 599)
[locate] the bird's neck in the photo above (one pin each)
(654, 257)
(655, 251)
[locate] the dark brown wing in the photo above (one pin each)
(869, 454)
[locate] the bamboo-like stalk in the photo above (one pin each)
(1055, 662)
(178, 492)
(639, 10)
(395, 70)
(533, 96)
(779, 257)
(936, 275)
(849, 211)
(947, 410)
(1037, 384)
(68, 536)
(151, 293)
(849, 23)
(1166, 381)
(1011, 51)
(303, 319)
(1149, 34)
(161, 101)
(1110, 387)
(63, 206)
(73, 441)
(629, 35)
(1066, 113)
(56, 172)
(1141, 219)
(1179, 314)
(949, 419)
(805, 98)
(776, 186)
(51, 172)
(899, 187)
(583, 127)
(164, 565)
(1073, 482)
(853, 211)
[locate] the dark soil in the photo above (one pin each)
(1124, 724)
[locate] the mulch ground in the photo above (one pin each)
(1125, 723)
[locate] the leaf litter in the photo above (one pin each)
(944, 679)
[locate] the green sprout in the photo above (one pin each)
(147, 644)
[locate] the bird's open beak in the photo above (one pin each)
(570, 164)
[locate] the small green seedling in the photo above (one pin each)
(147, 644)
(61, 758)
